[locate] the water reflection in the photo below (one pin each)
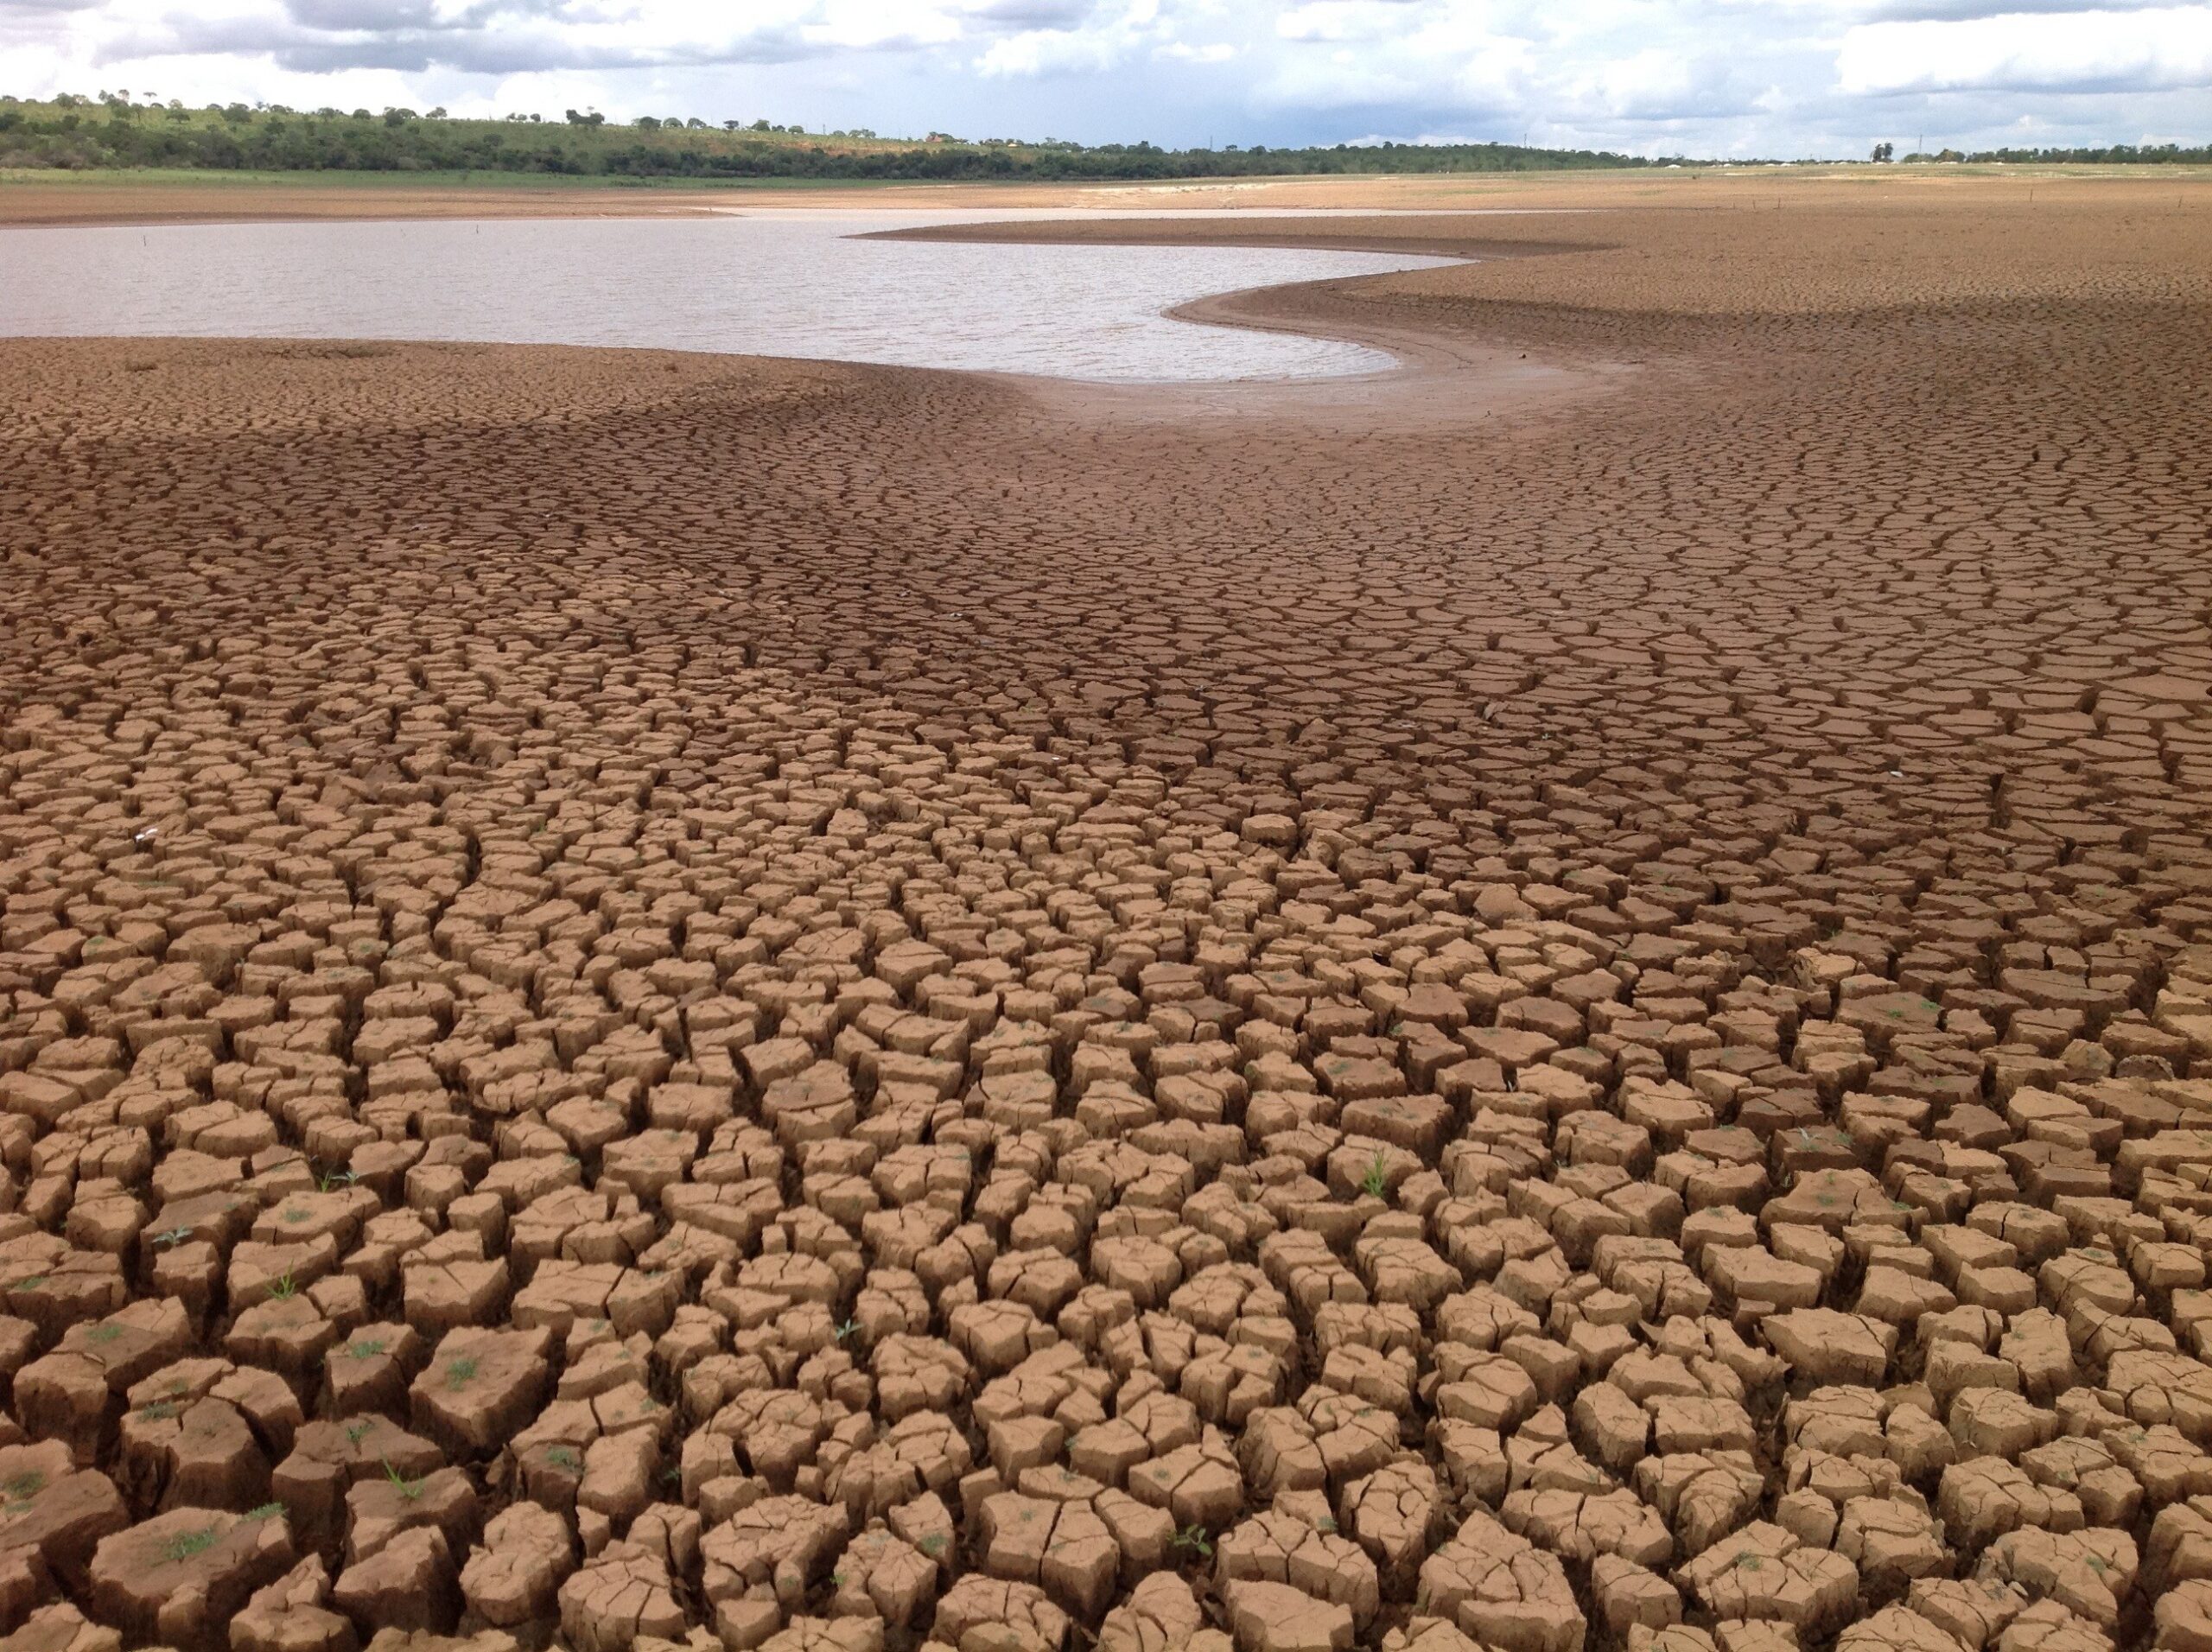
(788, 284)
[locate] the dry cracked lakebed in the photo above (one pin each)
(654, 1001)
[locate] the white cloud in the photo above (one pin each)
(2169, 47)
(1049, 52)
(1344, 20)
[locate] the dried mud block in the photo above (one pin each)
(180, 1577)
(1827, 1346)
(979, 1614)
(2182, 1617)
(766, 1558)
(2047, 1624)
(293, 1615)
(1265, 1616)
(400, 1640)
(1279, 1547)
(883, 1576)
(61, 1628)
(479, 1388)
(75, 1392)
(1161, 1612)
(53, 1517)
(1763, 1571)
(2090, 1573)
(827, 1634)
(511, 1578)
(1896, 1629)
(614, 1600)
(1502, 1591)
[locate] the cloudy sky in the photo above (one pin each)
(1784, 78)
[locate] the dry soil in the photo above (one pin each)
(1562, 1002)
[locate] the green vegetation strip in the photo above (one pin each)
(87, 134)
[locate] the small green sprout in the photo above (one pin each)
(282, 1287)
(409, 1490)
(365, 1348)
(1193, 1540)
(847, 1329)
(460, 1370)
(170, 1236)
(266, 1511)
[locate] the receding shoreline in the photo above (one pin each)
(28, 197)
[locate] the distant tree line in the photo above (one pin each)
(114, 132)
(2115, 154)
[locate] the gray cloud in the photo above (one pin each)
(321, 39)
(377, 16)
(1035, 13)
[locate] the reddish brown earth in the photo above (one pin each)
(655, 999)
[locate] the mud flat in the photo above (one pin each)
(664, 1000)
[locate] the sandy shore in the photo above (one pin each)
(664, 993)
(186, 197)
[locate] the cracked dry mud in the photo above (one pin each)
(656, 999)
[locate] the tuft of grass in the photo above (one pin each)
(283, 1287)
(1377, 1177)
(933, 1544)
(185, 1545)
(409, 1490)
(847, 1329)
(460, 1370)
(21, 1488)
(365, 1347)
(565, 1457)
(172, 1236)
(266, 1511)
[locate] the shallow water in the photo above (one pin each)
(786, 284)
